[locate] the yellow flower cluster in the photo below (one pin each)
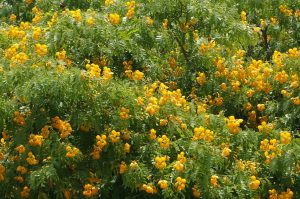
(124, 113)
(285, 10)
(254, 183)
(133, 165)
(152, 134)
(269, 146)
(281, 77)
(294, 53)
(45, 131)
(41, 49)
(127, 148)
(295, 100)
(19, 58)
(180, 183)
(122, 167)
(163, 184)
(53, 20)
(61, 55)
(149, 21)
(152, 107)
(35, 140)
(2, 172)
(107, 74)
(100, 144)
(196, 192)
(12, 17)
(20, 149)
(114, 136)
(20, 179)
(22, 170)
(165, 23)
(130, 9)
(265, 128)
(201, 78)
(149, 188)
(15, 32)
(31, 159)
(19, 118)
(202, 133)
(179, 164)
(89, 190)
(226, 152)
(25, 192)
(160, 162)
(205, 47)
(63, 127)
(233, 124)
(37, 33)
(285, 137)
(108, 2)
(90, 21)
(71, 152)
(38, 15)
(243, 16)
(114, 18)
(214, 181)
(93, 70)
(136, 75)
(164, 142)
(288, 194)
(76, 14)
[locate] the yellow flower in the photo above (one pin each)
(71, 152)
(41, 49)
(22, 170)
(243, 16)
(35, 140)
(2, 172)
(12, 17)
(285, 137)
(133, 165)
(163, 184)
(164, 142)
(160, 162)
(20, 149)
(114, 136)
(108, 2)
(261, 107)
(61, 55)
(165, 23)
(233, 124)
(201, 78)
(25, 192)
(122, 167)
(152, 134)
(124, 113)
(127, 148)
(89, 190)
(196, 192)
(180, 183)
(107, 74)
(31, 159)
(226, 152)
(179, 166)
(254, 184)
(149, 21)
(214, 180)
(114, 18)
(90, 21)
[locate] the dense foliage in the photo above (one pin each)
(149, 99)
